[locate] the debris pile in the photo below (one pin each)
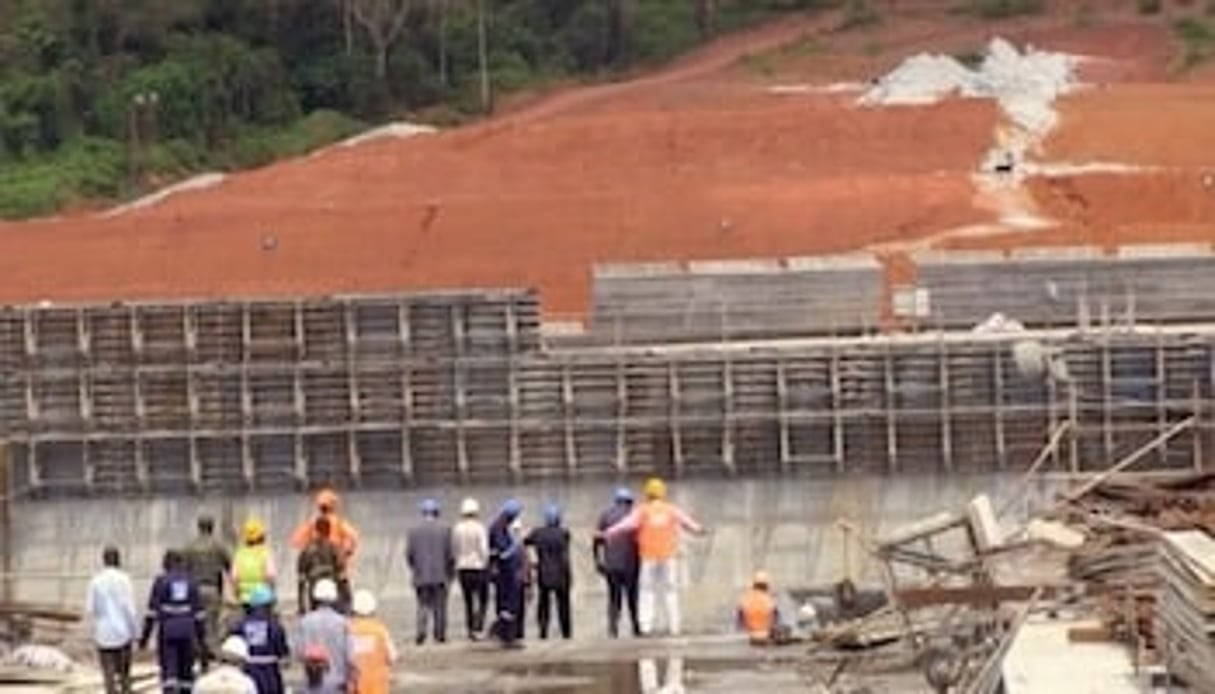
(1187, 607)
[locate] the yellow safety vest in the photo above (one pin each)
(249, 570)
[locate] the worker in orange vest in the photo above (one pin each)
(757, 611)
(341, 532)
(374, 652)
(659, 525)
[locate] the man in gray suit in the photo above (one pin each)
(432, 562)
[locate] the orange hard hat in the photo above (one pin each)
(327, 499)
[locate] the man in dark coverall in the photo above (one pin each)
(208, 560)
(509, 566)
(617, 560)
(554, 575)
(175, 610)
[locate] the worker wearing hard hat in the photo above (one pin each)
(470, 543)
(325, 645)
(374, 652)
(758, 615)
(341, 531)
(266, 640)
(432, 563)
(617, 560)
(253, 562)
(229, 677)
(659, 525)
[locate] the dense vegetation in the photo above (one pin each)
(107, 97)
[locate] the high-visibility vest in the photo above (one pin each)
(758, 612)
(371, 655)
(658, 531)
(341, 532)
(250, 570)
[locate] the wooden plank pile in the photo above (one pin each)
(1186, 607)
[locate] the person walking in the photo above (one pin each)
(266, 639)
(110, 608)
(229, 677)
(208, 560)
(658, 524)
(374, 652)
(253, 562)
(325, 645)
(617, 561)
(470, 543)
(551, 543)
(508, 562)
(176, 613)
(320, 559)
(432, 562)
(341, 531)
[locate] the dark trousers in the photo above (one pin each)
(474, 586)
(116, 669)
(622, 591)
(561, 596)
(176, 658)
(432, 602)
(509, 602)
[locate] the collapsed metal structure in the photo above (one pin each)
(460, 386)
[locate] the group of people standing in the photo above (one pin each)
(636, 549)
(340, 643)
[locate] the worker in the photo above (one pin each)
(320, 559)
(551, 544)
(325, 644)
(341, 531)
(208, 561)
(617, 561)
(758, 615)
(253, 562)
(229, 677)
(658, 524)
(110, 608)
(374, 652)
(470, 543)
(175, 611)
(432, 564)
(266, 639)
(508, 566)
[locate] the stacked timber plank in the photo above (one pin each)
(1186, 610)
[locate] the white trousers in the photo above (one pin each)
(659, 581)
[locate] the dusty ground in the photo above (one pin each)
(701, 160)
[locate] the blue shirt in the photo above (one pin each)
(111, 608)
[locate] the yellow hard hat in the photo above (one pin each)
(655, 488)
(255, 530)
(761, 579)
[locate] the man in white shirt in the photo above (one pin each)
(470, 543)
(110, 607)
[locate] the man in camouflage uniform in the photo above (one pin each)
(320, 559)
(208, 560)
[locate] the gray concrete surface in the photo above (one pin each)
(786, 526)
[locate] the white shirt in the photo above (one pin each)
(470, 544)
(110, 606)
(225, 679)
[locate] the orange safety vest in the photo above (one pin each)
(758, 612)
(341, 532)
(372, 655)
(658, 531)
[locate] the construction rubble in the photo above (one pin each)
(1120, 566)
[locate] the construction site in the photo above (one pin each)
(943, 328)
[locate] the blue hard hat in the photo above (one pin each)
(429, 507)
(512, 508)
(623, 495)
(552, 514)
(261, 596)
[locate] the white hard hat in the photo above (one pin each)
(364, 603)
(325, 590)
(469, 507)
(236, 648)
